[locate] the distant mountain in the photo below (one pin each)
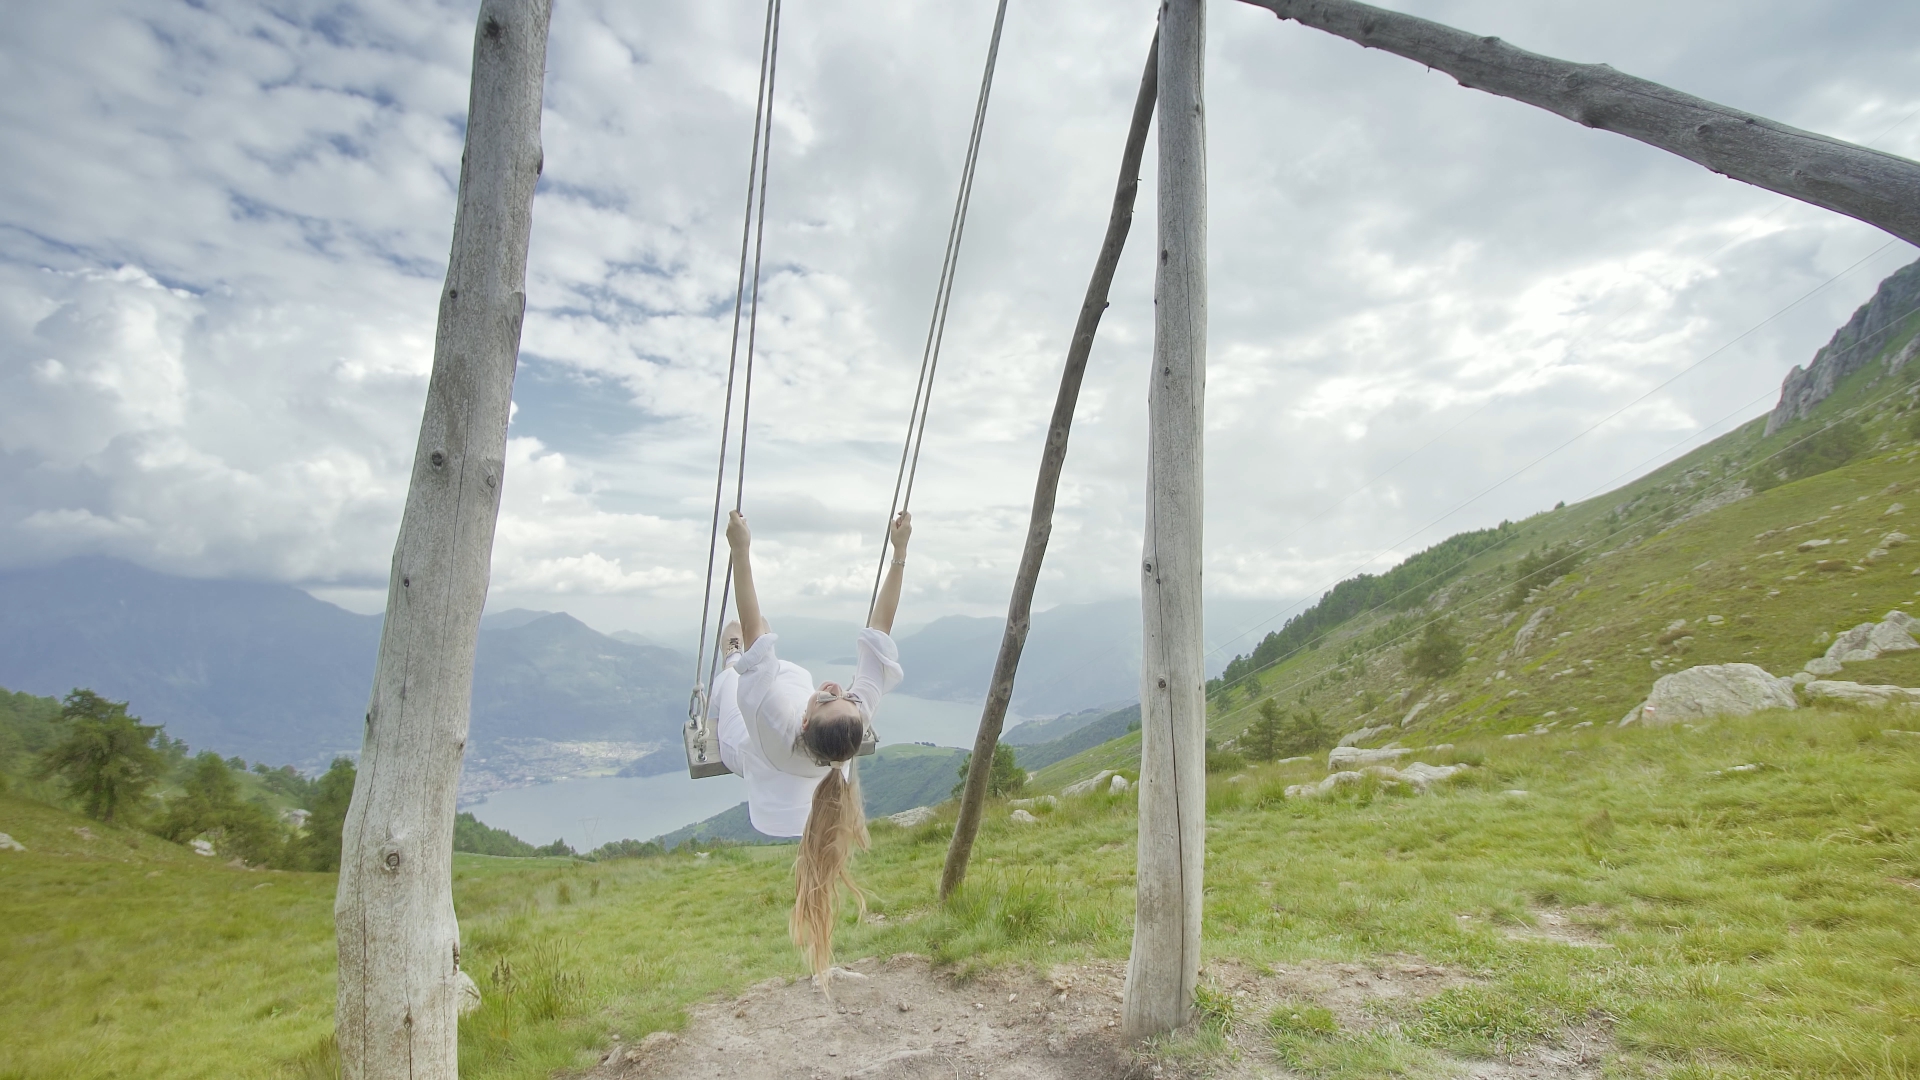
(1038, 756)
(271, 674)
(1077, 656)
(1035, 732)
(555, 677)
(263, 671)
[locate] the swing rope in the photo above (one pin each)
(752, 234)
(937, 327)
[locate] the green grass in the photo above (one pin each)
(1760, 923)
(1644, 566)
(124, 955)
(1755, 924)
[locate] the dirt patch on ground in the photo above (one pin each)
(1572, 926)
(1578, 1054)
(1357, 994)
(899, 1019)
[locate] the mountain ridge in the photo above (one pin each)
(1570, 619)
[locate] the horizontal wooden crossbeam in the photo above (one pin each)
(1880, 189)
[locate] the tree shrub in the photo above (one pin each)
(1438, 653)
(1004, 779)
(105, 757)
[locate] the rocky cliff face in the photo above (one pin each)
(1852, 347)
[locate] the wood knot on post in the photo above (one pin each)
(1163, 684)
(390, 857)
(493, 30)
(437, 458)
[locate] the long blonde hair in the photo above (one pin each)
(836, 827)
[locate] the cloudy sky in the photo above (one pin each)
(223, 228)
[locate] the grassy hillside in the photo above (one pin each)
(1695, 563)
(1710, 923)
(1112, 726)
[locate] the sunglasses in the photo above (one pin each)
(821, 697)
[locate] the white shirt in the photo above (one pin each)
(760, 709)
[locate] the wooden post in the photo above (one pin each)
(1165, 963)
(1052, 458)
(399, 945)
(1880, 189)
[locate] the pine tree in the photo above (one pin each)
(1438, 653)
(1005, 778)
(1262, 740)
(106, 758)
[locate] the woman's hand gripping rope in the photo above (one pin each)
(888, 602)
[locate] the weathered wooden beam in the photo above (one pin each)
(399, 946)
(1165, 962)
(1880, 189)
(1052, 458)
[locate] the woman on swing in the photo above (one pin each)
(795, 744)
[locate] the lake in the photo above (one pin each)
(591, 811)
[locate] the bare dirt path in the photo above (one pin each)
(899, 1019)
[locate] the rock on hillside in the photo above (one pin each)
(1713, 690)
(1867, 641)
(1419, 776)
(1852, 346)
(1853, 693)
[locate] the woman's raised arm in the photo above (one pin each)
(888, 603)
(745, 599)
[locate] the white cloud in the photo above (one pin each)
(223, 232)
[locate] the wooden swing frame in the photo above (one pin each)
(400, 984)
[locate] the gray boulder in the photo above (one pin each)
(1853, 693)
(1529, 630)
(1365, 733)
(1889, 636)
(1867, 641)
(1352, 757)
(1089, 785)
(1854, 645)
(1709, 690)
(1419, 776)
(908, 819)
